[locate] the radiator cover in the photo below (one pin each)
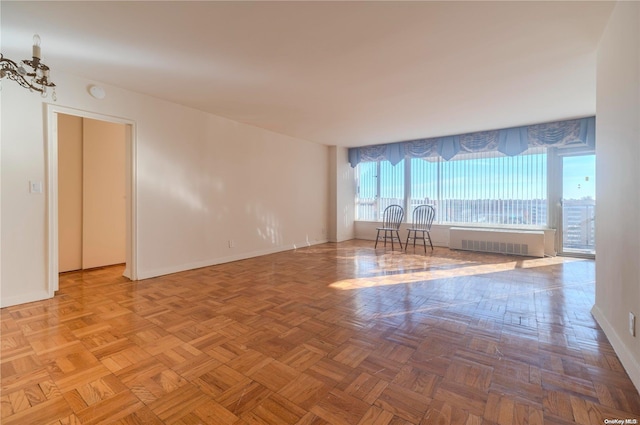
(504, 241)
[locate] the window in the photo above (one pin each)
(380, 184)
(487, 188)
(424, 184)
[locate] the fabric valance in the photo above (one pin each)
(510, 141)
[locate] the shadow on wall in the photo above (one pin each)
(174, 182)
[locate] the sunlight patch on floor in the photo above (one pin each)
(428, 275)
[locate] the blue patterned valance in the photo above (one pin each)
(510, 141)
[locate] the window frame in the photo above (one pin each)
(550, 189)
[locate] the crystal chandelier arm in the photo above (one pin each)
(41, 78)
(15, 72)
(7, 63)
(37, 79)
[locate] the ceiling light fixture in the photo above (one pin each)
(36, 80)
(97, 92)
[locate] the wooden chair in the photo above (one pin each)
(391, 219)
(422, 219)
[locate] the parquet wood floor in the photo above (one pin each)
(331, 334)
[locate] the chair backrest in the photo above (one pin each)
(392, 216)
(423, 217)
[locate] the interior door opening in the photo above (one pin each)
(97, 194)
(91, 193)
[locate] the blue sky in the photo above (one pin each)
(579, 177)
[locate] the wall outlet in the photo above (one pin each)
(231, 243)
(632, 324)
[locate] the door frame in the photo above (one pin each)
(560, 155)
(51, 114)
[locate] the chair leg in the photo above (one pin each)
(406, 244)
(430, 243)
(424, 242)
(377, 237)
(399, 241)
(391, 236)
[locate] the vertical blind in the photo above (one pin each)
(484, 187)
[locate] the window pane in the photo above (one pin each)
(391, 185)
(489, 188)
(495, 189)
(424, 184)
(366, 198)
(380, 184)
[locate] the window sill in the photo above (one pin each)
(471, 225)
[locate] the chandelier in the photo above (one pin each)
(35, 80)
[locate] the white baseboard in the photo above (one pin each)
(24, 298)
(629, 362)
(147, 274)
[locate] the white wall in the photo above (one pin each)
(367, 230)
(618, 175)
(341, 195)
(22, 241)
(201, 181)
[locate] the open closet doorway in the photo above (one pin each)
(91, 192)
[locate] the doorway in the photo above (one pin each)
(53, 173)
(91, 193)
(578, 204)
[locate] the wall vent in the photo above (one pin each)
(516, 242)
(490, 246)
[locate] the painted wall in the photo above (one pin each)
(341, 196)
(618, 206)
(367, 230)
(22, 235)
(202, 181)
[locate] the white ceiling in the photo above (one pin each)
(338, 73)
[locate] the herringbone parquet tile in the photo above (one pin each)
(333, 334)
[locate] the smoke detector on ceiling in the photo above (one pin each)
(97, 92)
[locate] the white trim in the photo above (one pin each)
(51, 153)
(629, 362)
(51, 124)
(559, 204)
(147, 274)
(1, 210)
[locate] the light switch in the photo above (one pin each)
(35, 187)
